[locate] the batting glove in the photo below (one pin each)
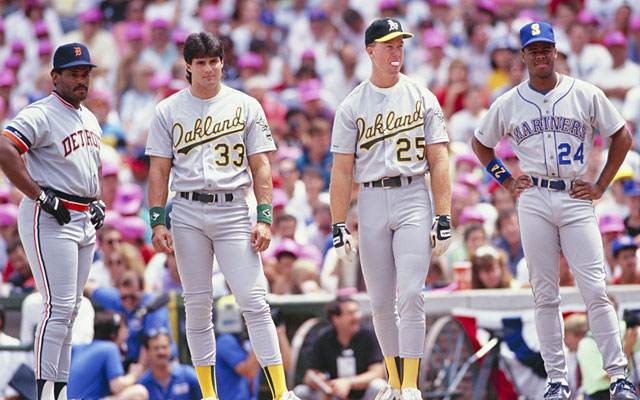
(342, 241)
(97, 209)
(51, 204)
(441, 234)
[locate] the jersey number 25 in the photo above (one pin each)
(564, 155)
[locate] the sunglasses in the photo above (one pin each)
(111, 242)
(153, 332)
(133, 296)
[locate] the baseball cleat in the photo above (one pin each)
(388, 392)
(622, 389)
(289, 396)
(411, 394)
(557, 391)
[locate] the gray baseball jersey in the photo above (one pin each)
(552, 136)
(209, 140)
(388, 129)
(62, 146)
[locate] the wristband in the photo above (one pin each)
(497, 170)
(265, 212)
(156, 216)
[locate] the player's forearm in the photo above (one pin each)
(340, 186)
(159, 181)
(14, 168)
(440, 178)
(620, 145)
(262, 182)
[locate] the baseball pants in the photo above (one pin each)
(60, 258)
(395, 250)
(199, 231)
(551, 221)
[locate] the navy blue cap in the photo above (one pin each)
(622, 242)
(384, 29)
(71, 55)
(536, 31)
(631, 187)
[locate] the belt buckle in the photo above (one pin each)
(207, 197)
(550, 181)
(382, 182)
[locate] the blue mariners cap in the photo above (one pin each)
(384, 29)
(631, 187)
(536, 31)
(622, 242)
(71, 55)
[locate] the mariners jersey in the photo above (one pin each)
(62, 145)
(552, 134)
(388, 129)
(209, 140)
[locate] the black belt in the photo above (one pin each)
(387, 183)
(70, 197)
(551, 184)
(206, 197)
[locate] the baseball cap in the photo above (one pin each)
(44, 47)
(5, 190)
(442, 3)
(40, 28)
(470, 180)
(132, 227)
(7, 78)
(387, 4)
(210, 13)
(287, 245)
(488, 5)
(467, 157)
(434, 37)
(632, 188)
(624, 172)
(611, 223)
(614, 38)
(279, 198)
(471, 214)
(502, 42)
(160, 79)
(459, 190)
(587, 17)
(622, 242)
(71, 55)
(91, 15)
(537, 31)
(17, 45)
(109, 168)
(384, 29)
(13, 61)
(8, 214)
(159, 23)
(634, 23)
(128, 198)
(179, 35)
(250, 60)
(310, 89)
(134, 30)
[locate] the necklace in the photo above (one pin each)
(558, 80)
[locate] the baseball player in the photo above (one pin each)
(550, 121)
(205, 137)
(388, 132)
(60, 213)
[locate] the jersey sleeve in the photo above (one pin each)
(258, 137)
(605, 116)
(230, 350)
(491, 127)
(160, 138)
(344, 138)
(27, 128)
(435, 129)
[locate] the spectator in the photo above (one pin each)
(130, 299)
(164, 379)
(615, 200)
(96, 368)
(8, 230)
(632, 193)
(463, 122)
(611, 226)
(624, 252)
(451, 95)
(489, 270)
(474, 238)
(10, 360)
(305, 276)
(346, 357)
(584, 58)
(433, 66)
(508, 239)
(162, 52)
(109, 238)
(576, 327)
(502, 51)
(21, 277)
(280, 271)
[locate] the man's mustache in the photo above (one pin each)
(85, 87)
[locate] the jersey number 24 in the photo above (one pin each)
(564, 156)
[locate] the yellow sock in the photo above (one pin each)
(207, 380)
(394, 371)
(275, 380)
(410, 368)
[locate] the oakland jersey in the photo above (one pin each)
(552, 134)
(209, 140)
(68, 142)
(388, 129)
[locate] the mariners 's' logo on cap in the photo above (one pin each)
(78, 51)
(393, 26)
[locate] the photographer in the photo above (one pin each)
(595, 382)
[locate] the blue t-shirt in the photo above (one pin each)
(183, 384)
(109, 299)
(93, 365)
(230, 384)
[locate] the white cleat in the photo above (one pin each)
(389, 393)
(289, 396)
(411, 394)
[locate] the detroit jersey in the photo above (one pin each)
(68, 142)
(388, 129)
(209, 140)
(552, 134)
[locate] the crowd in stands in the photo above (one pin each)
(299, 59)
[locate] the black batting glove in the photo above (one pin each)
(342, 241)
(440, 234)
(52, 204)
(97, 209)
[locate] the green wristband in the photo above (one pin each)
(157, 216)
(265, 213)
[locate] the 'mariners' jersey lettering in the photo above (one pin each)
(551, 123)
(207, 132)
(369, 136)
